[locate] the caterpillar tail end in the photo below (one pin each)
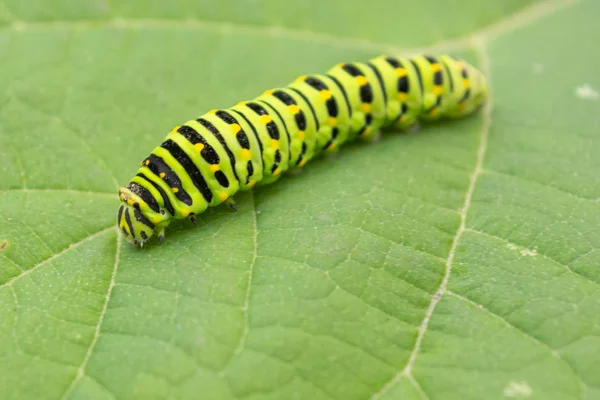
(475, 92)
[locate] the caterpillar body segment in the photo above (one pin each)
(205, 161)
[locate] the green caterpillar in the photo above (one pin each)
(207, 160)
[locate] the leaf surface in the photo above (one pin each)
(461, 262)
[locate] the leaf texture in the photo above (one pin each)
(460, 262)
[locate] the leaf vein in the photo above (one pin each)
(81, 371)
(565, 266)
(553, 352)
(480, 155)
(66, 191)
(77, 134)
(56, 255)
(246, 306)
(497, 28)
(570, 194)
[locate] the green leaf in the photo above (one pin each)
(461, 262)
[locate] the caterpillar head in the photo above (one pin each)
(136, 219)
(136, 228)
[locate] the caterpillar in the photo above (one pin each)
(205, 161)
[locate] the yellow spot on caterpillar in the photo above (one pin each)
(185, 213)
(300, 135)
(302, 163)
(214, 167)
(235, 128)
(435, 67)
(198, 147)
(332, 146)
(366, 131)
(155, 220)
(402, 97)
(162, 175)
(361, 80)
(325, 94)
(251, 183)
(223, 196)
(434, 112)
(400, 72)
(147, 162)
(332, 121)
(275, 143)
(365, 107)
(175, 129)
(459, 65)
(437, 90)
(174, 189)
(466, 83)
(294, 109)
(265, 119)
(245, 154)
(268, 92)
(241, 103)
(276, 172)
(130, 201)
(301, 78)
(213, 111)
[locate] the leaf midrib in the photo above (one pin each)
(497, 28)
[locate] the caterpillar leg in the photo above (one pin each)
(161, 236)
(374, 137)
(331, 153)
(296, 171)
(231, 203)
(193, 220)
(331, 149)
(414, 128)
